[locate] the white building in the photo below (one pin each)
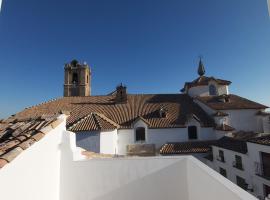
(245, 162)
(40, 161)
(122, 123)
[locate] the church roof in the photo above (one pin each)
(204, 80)
(101, 112)
(229, 102)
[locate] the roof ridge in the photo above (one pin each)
(104, 117)
(79, 121)
(97, 121)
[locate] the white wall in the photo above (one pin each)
(162, 136)
(232, 172)
(108, 142)
(34, 174)
(204, 183)
(243, 119)
(203, 90)
(156, 178)
(266, 124)
(255, 156)
(100, 142)
(88, 140)
(248, 161)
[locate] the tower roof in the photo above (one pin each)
(201, 70)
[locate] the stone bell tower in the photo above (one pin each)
(77, 79)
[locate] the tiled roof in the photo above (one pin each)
(16, 136)
(264, 140)
(229, 102)
(187, 147)
(224, 127)
(232, 144)
(204, 80)
(178, 108)
(94, 121)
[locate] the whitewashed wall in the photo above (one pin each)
(255, 156)
(108, 142)
(204, 90)
(34, 174)
(88, 140)
(244, 119)
(99, 142)
(266, 124)
(232, 172)
(143, 178)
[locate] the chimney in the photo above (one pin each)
(121, 94)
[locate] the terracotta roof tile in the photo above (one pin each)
(2, 163)
(263, 140)
(232, 144)
(187, 147)
(178, 107)
(229, 102)
(18, 135)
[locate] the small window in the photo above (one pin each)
(238, 162)
(140, 134)
(221, 156)
(75, 78)
(212, 90)
(223, 172)
(87, 79)
(241, 182)
(192, 132)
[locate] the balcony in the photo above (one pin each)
(238, 165)
(262, 170)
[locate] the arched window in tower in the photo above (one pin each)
(74, 78)
(87, 79)
(192, 133)
(140, 134)
(212, 90)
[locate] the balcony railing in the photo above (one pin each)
(238, 165)
(262, 170)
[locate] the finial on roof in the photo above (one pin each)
(201, 70)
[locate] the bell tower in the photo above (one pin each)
(77, 79)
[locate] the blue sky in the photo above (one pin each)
(152, 46)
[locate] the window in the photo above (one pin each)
(238, 162)
(74, 78)
(223, 172)
(221, 156)
(87, 79)
(212, 90)
(192, 132)
(140, 134)
(241, 182)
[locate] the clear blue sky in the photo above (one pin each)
(152, 46)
